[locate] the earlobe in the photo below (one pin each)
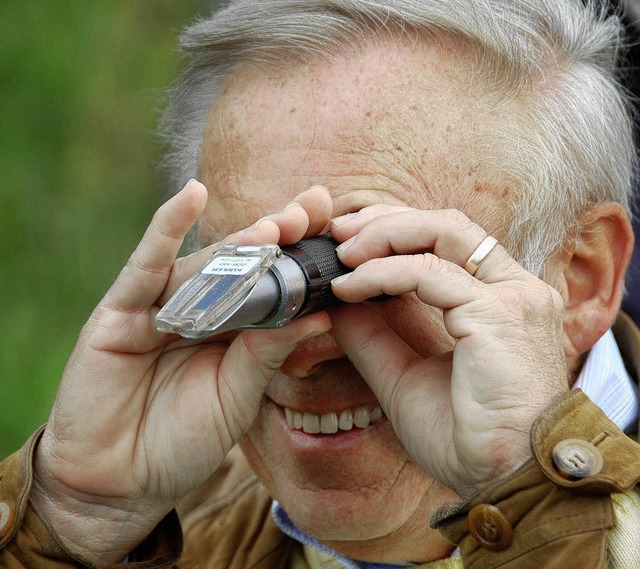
(594, 275)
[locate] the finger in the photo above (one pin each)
(448, 234)
(469, 303)
(435, 281)
(381, 357)
(145, 275)
(255, 355)
(292, 223)
(317, 202)
(414, 393)
(346, 226)
(307, 214)
(264, 231)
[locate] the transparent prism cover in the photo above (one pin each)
(210, 296)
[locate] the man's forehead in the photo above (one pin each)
(395, 116)
(380, 86)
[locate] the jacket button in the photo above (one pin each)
(576, 458)
(6, 515)
(489, 527)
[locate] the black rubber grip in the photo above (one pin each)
(317, 256)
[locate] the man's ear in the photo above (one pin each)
(594, 275)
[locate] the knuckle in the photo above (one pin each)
(556, 300)
(163, 226)
(373, 267)
(533, 302)
(457, 218)
(554, 303)
(428, 262)
(263, 350)
(513, 301)
(137, 263)
(366, 341)
(426, 267)
(252, 344)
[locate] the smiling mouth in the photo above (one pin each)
(332, 423)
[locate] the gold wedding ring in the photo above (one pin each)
(480, 254)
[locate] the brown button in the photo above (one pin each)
(489, 527)
(576, 458)
(6, 515)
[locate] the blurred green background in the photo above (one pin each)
(81, 85)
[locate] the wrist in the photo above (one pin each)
(476, 476)
(93, 530)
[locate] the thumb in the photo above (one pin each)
(254, 356)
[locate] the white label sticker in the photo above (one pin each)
(230, 265)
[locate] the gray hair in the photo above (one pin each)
(568, 146)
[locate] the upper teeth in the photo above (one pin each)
(330, 423)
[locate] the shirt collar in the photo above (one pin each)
(605, 380)
(283, 521)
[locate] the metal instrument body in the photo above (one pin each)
(254, 287)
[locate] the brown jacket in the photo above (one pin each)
(534, 518)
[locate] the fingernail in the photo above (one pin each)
(342, 248)
(340, 279)
(342, 219)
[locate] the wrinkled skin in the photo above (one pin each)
(456, 390)
(460, 364)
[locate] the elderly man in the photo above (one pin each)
(435, 428)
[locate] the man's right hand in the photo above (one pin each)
(141, 418)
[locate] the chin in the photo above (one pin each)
(355, 486)
(362, 513)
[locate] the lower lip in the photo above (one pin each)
(340, 441)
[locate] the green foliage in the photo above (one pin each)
(81, 85)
